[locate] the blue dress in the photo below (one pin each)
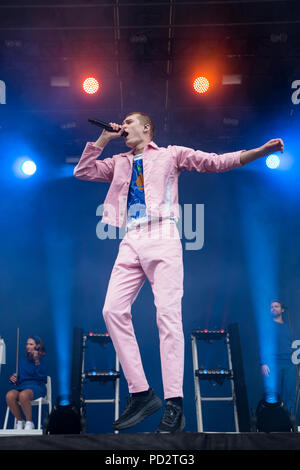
(32, 376)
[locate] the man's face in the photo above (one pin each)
(135, 130)
(276, 309)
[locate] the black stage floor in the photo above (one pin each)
(185, 441)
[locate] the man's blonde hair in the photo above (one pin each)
(145, 119)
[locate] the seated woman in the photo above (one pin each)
(29, 382)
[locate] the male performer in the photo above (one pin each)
(278, 370)
(146, 179)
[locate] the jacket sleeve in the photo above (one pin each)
(90, 169)
(189, 159)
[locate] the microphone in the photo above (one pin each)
(105, 126)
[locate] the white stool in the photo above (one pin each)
(47, 400)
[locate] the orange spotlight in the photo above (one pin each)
(201, 85)
(91, 85)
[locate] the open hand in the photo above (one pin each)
(265, 370)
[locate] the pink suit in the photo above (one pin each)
(151, 251)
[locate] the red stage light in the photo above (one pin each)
(201, 85)
(91, 85)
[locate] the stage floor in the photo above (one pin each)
(184, 441)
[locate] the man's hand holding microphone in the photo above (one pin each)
(107, 136)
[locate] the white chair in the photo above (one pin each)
(47, 400)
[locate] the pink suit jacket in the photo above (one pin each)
(161, 169)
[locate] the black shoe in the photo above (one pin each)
(137, 409)
(173, 419)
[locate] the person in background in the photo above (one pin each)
(29, 382)
(280, 373)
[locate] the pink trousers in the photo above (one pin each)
(153, 251)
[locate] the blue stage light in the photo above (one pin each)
(59, 254)
(273, 417)
(28, 167)
(65, 418)
(271, 397)
(24, 167)
(273, 162)
(262, 253)
(63, 400)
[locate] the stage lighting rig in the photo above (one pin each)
(103, 338)
(91, 85)
(273, 161)
(28, 167)
(214, 375)
(209, 335)
(273, 416)
(96, 375)
(100, 375)
(65, 418)
(24, 167)
(201, 85)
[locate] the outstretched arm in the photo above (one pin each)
(273, 145)
(189, 159)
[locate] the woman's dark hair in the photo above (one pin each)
(40, 344)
